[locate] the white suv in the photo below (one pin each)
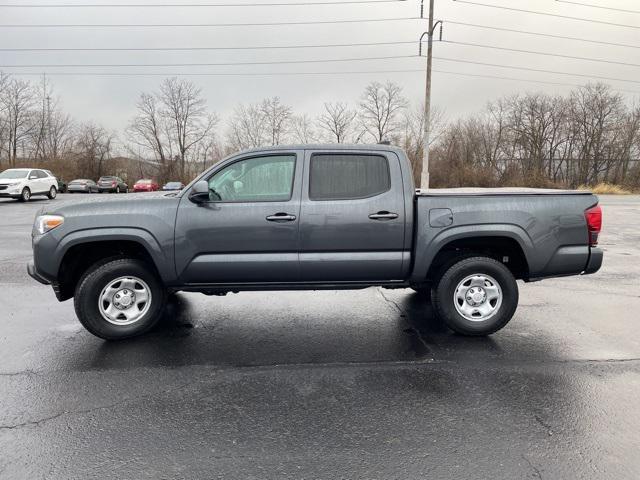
(23, 183)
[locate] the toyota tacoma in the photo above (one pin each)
(311, 218)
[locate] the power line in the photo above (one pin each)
(546, 14)
(592, 77)
(534, 52)
(591, 5)
(277, 74)
(521, 80)
(180, 49)
(540, 34)
(167, 25)
(213, 74)
(190, 5)
(223, 64)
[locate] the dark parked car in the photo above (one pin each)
(112, 185)
(83, 185)
(146, 185)
(172, 186)
(62, 185)
(309, 218)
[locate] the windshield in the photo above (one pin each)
(14, 174)
(143, 182)
(106, 179)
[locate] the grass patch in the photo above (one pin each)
(606, 189)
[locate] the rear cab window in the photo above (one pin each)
(345, 176)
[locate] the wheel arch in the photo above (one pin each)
(501, 242)
(82, 249)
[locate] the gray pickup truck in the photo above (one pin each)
(310, 218)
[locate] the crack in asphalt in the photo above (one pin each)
(544, 424)
(536, 470)
(405, 316)
(407, 363)
(19, 373)
(125, 401)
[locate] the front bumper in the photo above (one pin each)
(595, 260)
(33, 273)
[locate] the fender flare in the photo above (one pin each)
(162, 258)
(426, 253)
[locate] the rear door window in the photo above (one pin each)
(348, 176)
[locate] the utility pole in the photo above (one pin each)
(424, 178)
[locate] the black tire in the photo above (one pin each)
(444, 290)
(53, 192)
(96, 278)
(25, 195)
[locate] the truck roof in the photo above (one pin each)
(327, 146)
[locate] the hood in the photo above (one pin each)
(5, 181)
(108, 204)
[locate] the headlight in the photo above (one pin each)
(44, 223)
(13, 184)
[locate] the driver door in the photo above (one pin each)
(248, 231)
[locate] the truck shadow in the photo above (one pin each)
(334, 330)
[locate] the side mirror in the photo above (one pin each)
(33, 177)
(200, 192)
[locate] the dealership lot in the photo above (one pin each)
(325, 384)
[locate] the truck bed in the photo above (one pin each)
(470, 191)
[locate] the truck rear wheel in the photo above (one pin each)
(476, 296)
(119, 298)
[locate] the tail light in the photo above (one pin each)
(113, 184)
(594, 224)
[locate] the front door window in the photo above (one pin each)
(259, 179)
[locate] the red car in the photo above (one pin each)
(146, 185)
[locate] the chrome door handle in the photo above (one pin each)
(281, 217)
(383, 216)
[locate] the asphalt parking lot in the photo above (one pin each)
(359, 384)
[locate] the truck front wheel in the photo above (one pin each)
(119, 298)
(476, 296)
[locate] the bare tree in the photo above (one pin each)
(169, 124)
(337, 121)
(185, 110)
(247, 128)
(302, 129)
(413, 131)
(18, 101)
(4, 121)
(381, 106)
(277, 118)
(93, 148)
(148, 131)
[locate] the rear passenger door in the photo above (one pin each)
(352, 217)
(42, 183)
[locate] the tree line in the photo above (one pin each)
(590, 135)
(587, 137)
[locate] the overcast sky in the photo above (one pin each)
(111, 100)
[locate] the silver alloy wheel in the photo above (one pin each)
(53, 192)
(124, 300)
(478, 297)
(26, 194)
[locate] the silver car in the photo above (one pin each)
(82, 185)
